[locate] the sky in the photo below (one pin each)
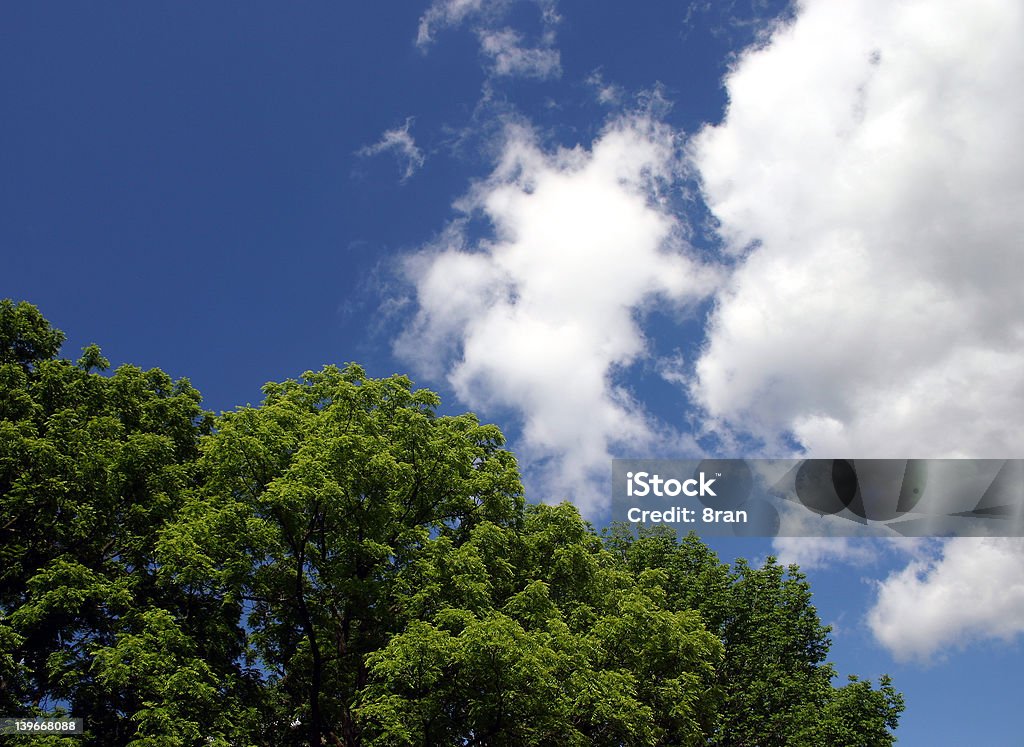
(740, 228)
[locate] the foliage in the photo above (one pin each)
(776, 681)
(341, 565)
(92, 468)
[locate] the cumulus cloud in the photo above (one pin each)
(539, 317)
(868, 181)
(508, 52)
(400, 142)
(973, 590)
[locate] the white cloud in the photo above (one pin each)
(446, 14)
(869, 183)
(868, 180)
(605, 93)
(817, 552)
(540, 317)
(511, 58)
(399, 141)
(508, 53)
(810, 552)
(973, 591)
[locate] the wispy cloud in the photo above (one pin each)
(507, 51)
(539, 317)
(510, 57)
(738, 22)
(605, 93)
(400, 142)
(444, 14)
(818, 552)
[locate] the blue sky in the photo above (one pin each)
(646, 229)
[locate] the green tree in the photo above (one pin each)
(535, 636)
(311, 506)
(341, 565)
(26, 338)
(856, 715)
(92, 468)
(775, 676)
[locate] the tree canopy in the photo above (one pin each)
(341, 565)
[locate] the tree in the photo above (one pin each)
(341, 565)
(26, 338)
(856, 715)
(311, 506)
(536, 637)
(775, 677)
(92, 468)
